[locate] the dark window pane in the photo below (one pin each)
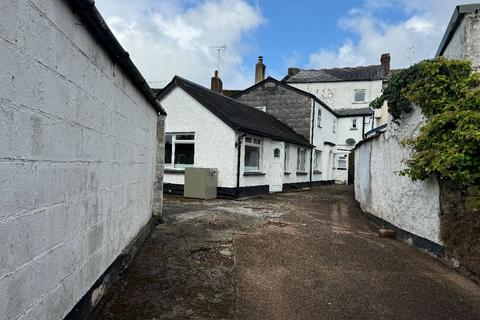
(252, 157)
(184, 154)
(276, 153)
(168, 148)
(185, 137)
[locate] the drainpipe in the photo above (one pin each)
(363, 127)
(239, 148)
(311, 142)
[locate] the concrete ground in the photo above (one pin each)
(298, 255)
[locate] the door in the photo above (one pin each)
(276, 168)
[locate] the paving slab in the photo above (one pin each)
(301, 255)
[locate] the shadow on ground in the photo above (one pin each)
(299, 255)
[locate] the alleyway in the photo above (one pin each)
(299, 255)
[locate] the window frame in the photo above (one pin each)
(286, 158)
(364, 95)
(255, 142)
(319, 117)
(176, 141)
(354, 124)
(317, 161)
(301, 150)
(342, 158)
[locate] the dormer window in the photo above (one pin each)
(359, 95)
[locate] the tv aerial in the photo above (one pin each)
(219, 51)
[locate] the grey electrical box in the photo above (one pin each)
(200, 183)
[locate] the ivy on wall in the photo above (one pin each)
(448, 146)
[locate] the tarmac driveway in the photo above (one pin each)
(299, 255)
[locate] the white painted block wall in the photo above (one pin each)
(410, 205)
(77, 155)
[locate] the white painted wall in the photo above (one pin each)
(340, 95)
(323, 134)
(411, 206)
(267, 155)
(345, 130)
(465, 43)
(77, 156)
(214, 140)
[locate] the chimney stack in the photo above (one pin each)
(217, 84)
(259, 70)
(293, 71)
(385, 61)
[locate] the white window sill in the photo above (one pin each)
(253, 173)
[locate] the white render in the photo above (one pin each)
(77, 156)
(381, 191)
(214, 140)
(215, 145)
(465, 43)
(340, 95)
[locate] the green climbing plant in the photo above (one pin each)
(448, 146)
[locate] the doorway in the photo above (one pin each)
(276, 168)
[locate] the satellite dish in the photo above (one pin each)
(350, 142)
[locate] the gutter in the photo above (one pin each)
(94, 21)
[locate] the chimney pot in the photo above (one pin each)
(260, 70)
(385, 61)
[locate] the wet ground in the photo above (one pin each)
(299, 255)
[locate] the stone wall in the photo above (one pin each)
(460, 229)
(465, 43)
(286, 105)
(77, 160)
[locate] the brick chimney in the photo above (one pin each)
(217, 84)
(385, 61)
(259, 70)
(293, 71)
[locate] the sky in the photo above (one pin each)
(178, 37)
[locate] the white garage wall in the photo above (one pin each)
(77, 155)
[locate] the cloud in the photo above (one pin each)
(174, 37)
(415, 38)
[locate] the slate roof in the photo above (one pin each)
(352, 112)
(235, 114)
(362, 73)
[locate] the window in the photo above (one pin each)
(252, 154)
(354, 124)
(285, 159)
(276, 153)
(317, 160)
(179, 149)
(342, 163)
(301, 159)
(359, 95)
(319, 118)
(334, 127)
